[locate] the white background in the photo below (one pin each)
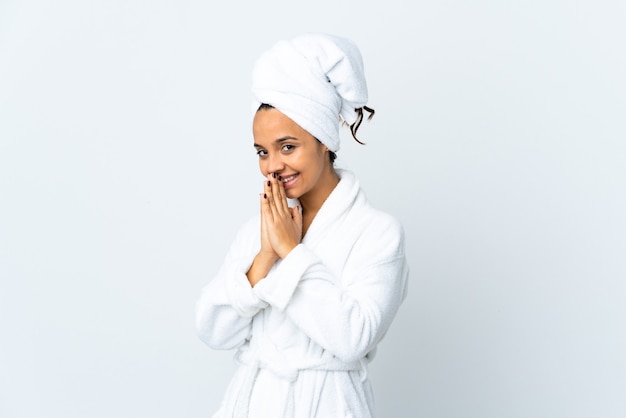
(126, 165)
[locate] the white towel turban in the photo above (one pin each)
(316, 80)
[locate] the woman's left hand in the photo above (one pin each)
(284, 224)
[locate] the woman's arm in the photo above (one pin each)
(346, 315)
(227, 304)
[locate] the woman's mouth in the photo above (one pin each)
(289, 180)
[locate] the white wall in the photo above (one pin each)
(126, 165)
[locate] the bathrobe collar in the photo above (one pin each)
(344, 196)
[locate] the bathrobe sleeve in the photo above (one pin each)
(227, 303)
(347, 315)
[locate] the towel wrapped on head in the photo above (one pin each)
(317, 80)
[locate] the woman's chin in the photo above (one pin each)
(291, 194)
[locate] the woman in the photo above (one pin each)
(306, 292)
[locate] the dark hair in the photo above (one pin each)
(353, 128)
(265, 106)
(359, 118)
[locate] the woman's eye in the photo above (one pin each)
(288, 147)
(261, 153)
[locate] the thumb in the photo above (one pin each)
(296, 215)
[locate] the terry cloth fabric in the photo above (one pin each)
(305, 333)
(314, 79)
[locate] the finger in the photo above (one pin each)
(271, 203)
(280, 201)
(267, 190)
(266, 211)
(296, 215)
(271, 193)
(282, 195)
(262, 213)
(261, 203)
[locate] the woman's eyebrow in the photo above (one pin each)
(285, 138)
(278, 141)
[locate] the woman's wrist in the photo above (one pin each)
(261, 265)
(284, 252)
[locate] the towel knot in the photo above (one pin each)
(317, 80)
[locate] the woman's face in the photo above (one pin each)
(289, 151)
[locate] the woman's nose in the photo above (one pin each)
(275, 164)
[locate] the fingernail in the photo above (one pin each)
(274, 175)
(280, 178)
(268, 183)
(264, 195)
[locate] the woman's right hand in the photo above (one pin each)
(267, 250)
(266, 256)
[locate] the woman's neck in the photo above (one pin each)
(314, 199)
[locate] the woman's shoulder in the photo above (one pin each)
(377, 235)
(367, 217)
(380, 222)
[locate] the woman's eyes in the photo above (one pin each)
(284, 148)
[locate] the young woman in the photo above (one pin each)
(307, 290)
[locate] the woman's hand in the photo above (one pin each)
(267, 251)
(282, 228)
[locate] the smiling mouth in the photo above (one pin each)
(288, 181)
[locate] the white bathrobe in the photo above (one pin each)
(305, 333)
